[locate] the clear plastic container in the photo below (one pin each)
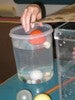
(65, 47)
(34, 60)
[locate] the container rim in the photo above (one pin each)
(66, 30)
(17, 36)
(59, 27)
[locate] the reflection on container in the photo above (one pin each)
(65, 42)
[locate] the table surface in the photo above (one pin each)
(10, 88)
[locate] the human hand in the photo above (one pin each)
(30, 15)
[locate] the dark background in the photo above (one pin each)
(45, 1)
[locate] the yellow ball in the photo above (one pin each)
(42, 97)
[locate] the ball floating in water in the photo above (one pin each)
(24, 95)
(42, 97)
(36, 75)
(37, 39)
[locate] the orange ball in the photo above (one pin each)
(37, 40)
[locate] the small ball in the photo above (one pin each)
(24, 95)
(38, 39)
(36, 75)
(47, 44)
(42, 97)
(29, 81)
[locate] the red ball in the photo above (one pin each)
(37, 40)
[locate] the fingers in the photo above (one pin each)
(35, 17)
(28, 19)
(30, 15)
(25, 19)
(39, 16)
